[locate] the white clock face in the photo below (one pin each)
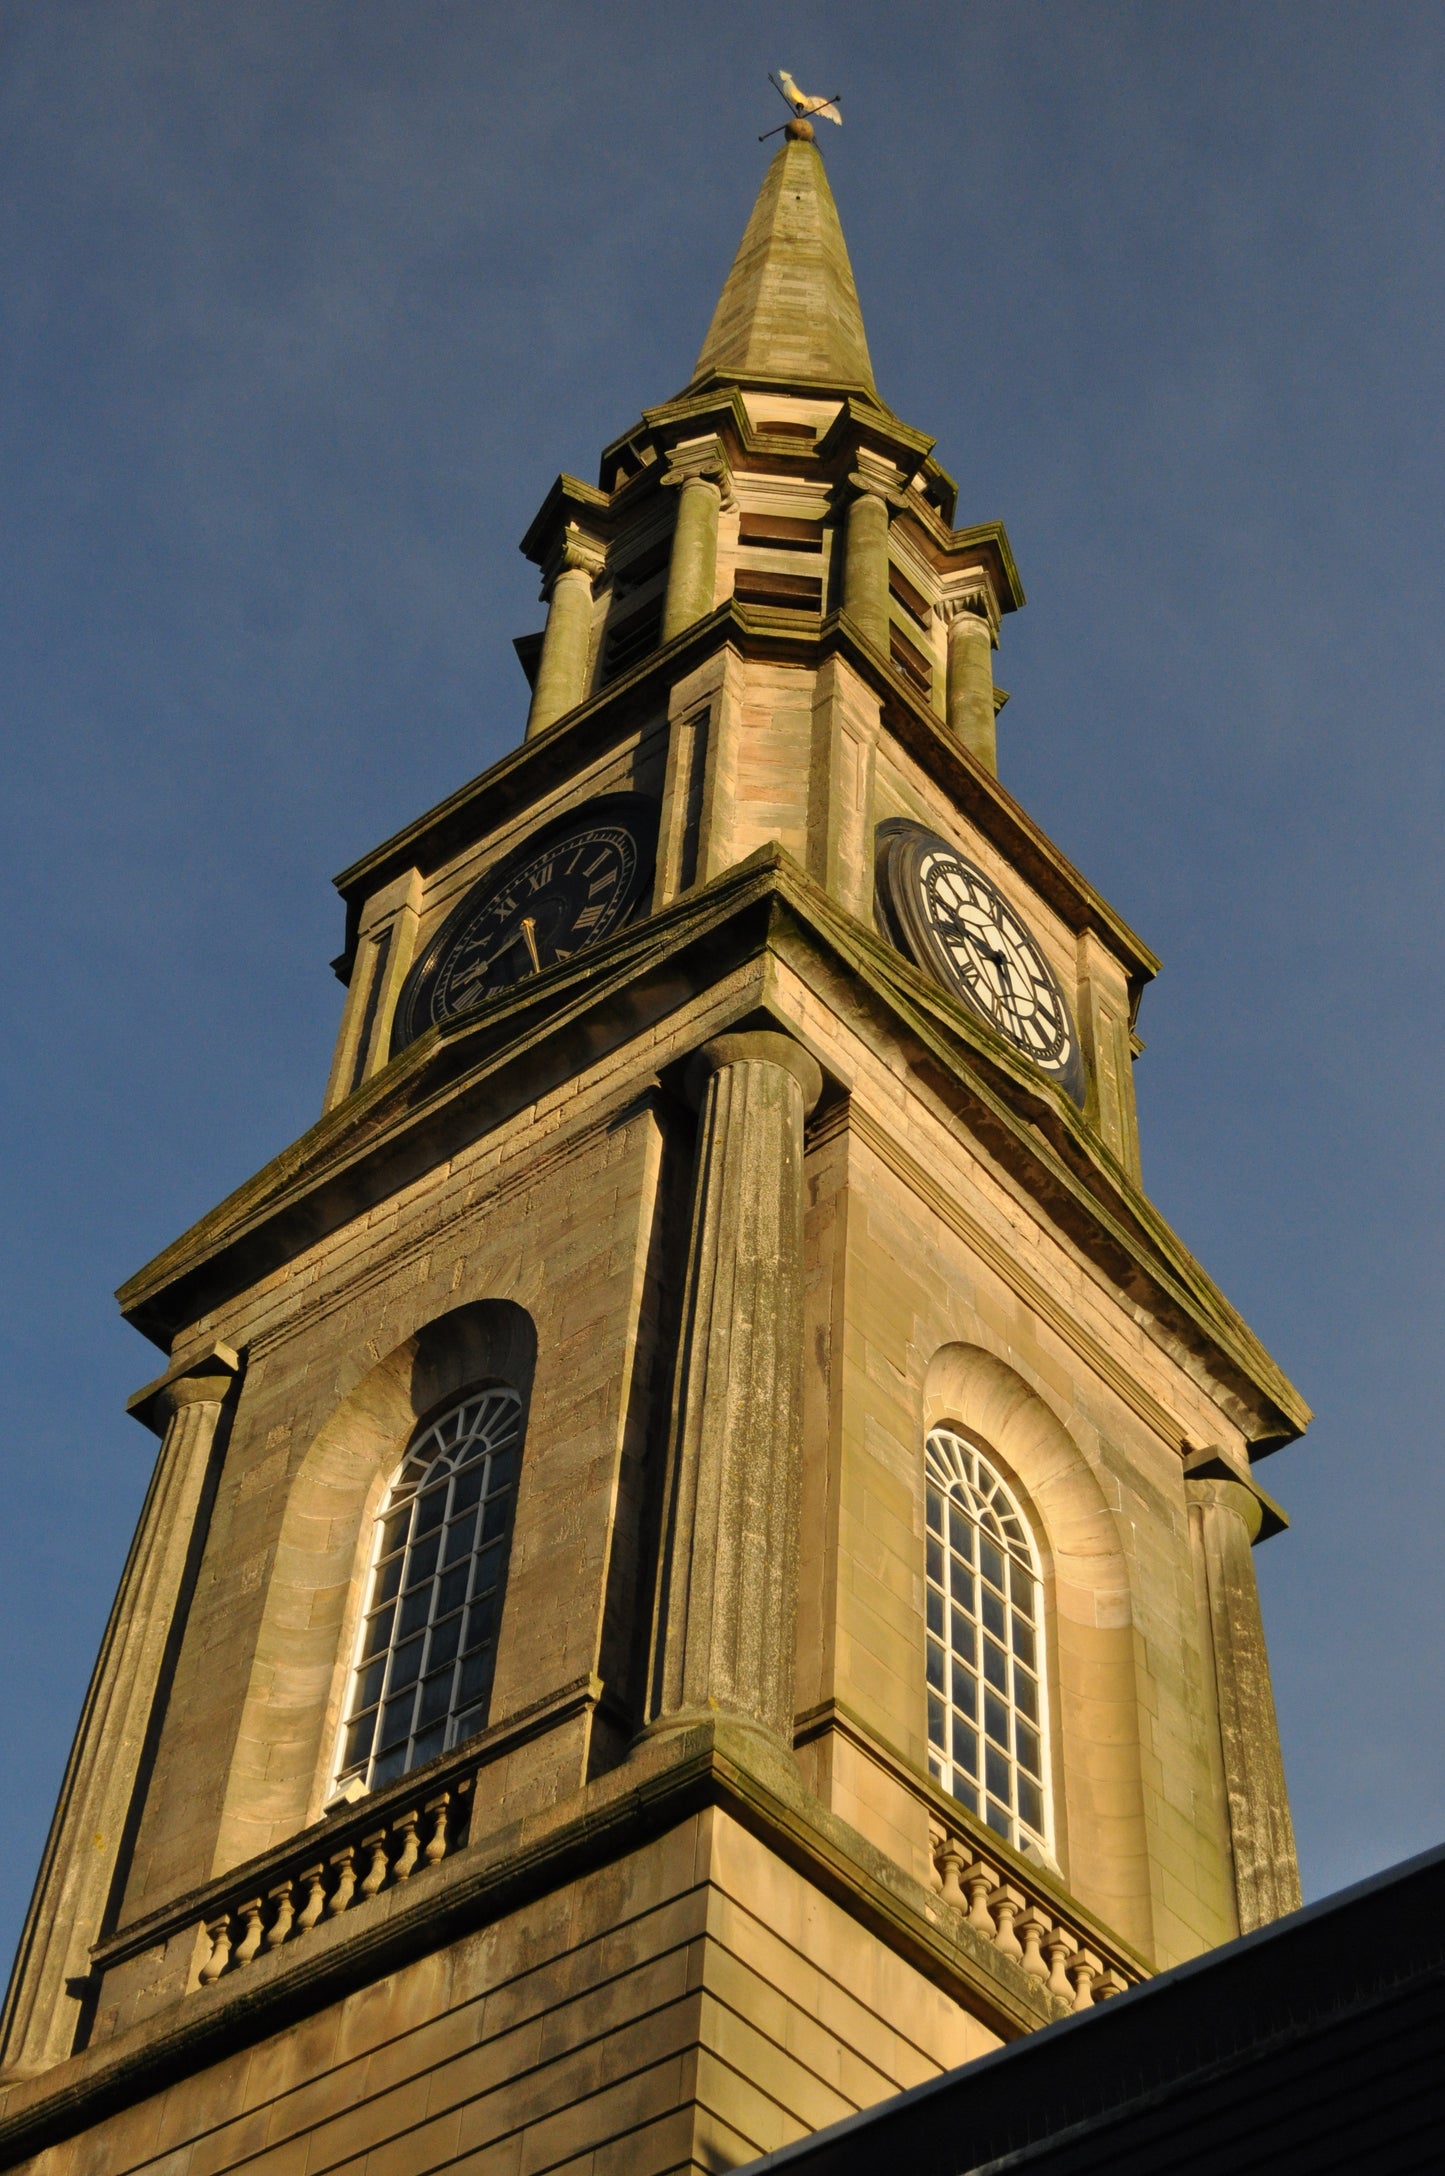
(958, 925)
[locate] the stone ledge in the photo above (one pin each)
(713, 1765)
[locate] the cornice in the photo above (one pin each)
(448, 1089)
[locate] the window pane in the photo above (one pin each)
(990, 1560)
(960, 1531)
(504, 1467)
(965, 1639)
(368, 1685)
(1023, 1641)
(432, 1509)
(994, 1614)
(358, 1739)
(476, 1674)
(935, 1613)
(996, 1773)
(428, 1744)
(388, 1579)
(421, 1559)
(999, 1819)
(406, 1664)
(395, 1720)
(1026, 1694)
(393, 1533)
(935, 1511)
(415, 1609)
(452, 1590)
(965, 1691)
(965, 1745)
(480, 1619)
(995, 1719)
(468, 1487)
(1021, 1587)
(965, 1792)
(461, 1536)
(1026, 1745)
(1031, 1805)
(489, 1567)
(935, 1722)
(495, 1514)
(995, 1666)
(446, 1638)
(436, 1697)
(378, 1632)
(935, 1666)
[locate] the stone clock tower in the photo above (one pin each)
(698, 1571)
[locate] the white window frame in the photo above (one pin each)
(436, 1583)
(985, 1607)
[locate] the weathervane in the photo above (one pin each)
(802, 108)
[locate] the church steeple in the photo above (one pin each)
(789, 308)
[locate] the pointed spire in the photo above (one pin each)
(789, 308)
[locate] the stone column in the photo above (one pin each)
(566, 640)
(1227, 1517)
(865, 561)
(970, 678)
(724, 1629)
(699, 475)
(78, 1873)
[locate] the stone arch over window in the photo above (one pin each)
(284, 1761)
(1099, 1830)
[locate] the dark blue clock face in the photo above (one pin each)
(567, 889)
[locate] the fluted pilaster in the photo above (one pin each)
(1227, 1516)
(727, 1603)
(79, 1870)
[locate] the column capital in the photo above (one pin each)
(203, 1380)
(573, 553)
(759, 1046)
(700, 461)
(1211, 1478)
(869, 484)
(974, 600)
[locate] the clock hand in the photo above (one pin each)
(529, 931)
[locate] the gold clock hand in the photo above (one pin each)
(529, 931)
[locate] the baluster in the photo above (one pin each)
(1007, 1903)
(1109, 1983)
(219, 1931)
(437, 1847)
(250, 1940)
(978, 1879)
(345, 1864)
(405, 1825)
(313, 1880)
(376, 1872)
(953, 1858)
(280, 1925)
(463, 1795)
(1085, 1968)
(1059, 1944)
(1034, 1927)
(937, 1842)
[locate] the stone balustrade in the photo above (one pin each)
(358, 1863)
(1023, 1921)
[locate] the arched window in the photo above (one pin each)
(423, 1675)
(987, 1740)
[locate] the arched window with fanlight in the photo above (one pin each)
(428, 1639)
(987, 1721)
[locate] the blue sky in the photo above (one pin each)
(303, 306)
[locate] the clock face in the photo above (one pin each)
(955, 923)
(567, 889)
